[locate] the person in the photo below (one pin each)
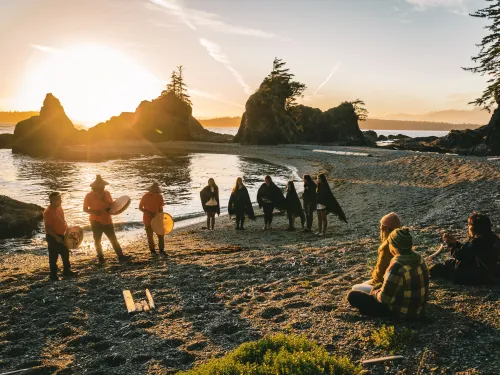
(209, 196)
(475, 262)
(240, 204)
(309, 199)
(55, 228)
(97, 203)
(151, 204)
(388, 224)
(293, 206)
(269, 196)
(325, 204)
(405, 290)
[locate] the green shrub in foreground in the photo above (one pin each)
(392, 339)
(277, 355)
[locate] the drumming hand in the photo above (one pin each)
(150, 214)
(449, 239)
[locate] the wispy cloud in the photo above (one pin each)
(194, 18)
(39, 47)
(216, 53)
(456, 6)
(334, 70)
(211, 96)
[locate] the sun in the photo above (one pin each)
(92, 82)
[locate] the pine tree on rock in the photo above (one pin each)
(177, 86)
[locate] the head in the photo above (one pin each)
(290, 186)
(307, 179)
(239, 184)
(388, 223)
(98, 189)
(211, 182)
(479, 225)
(400, 241)
(155, 188)
(99, 184)
(55, 199)
(268, 180)
(322, 179)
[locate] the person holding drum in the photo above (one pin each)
(150, 205)
(97, 204)
(55, 228)
(210, 201)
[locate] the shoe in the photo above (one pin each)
(163, 253)
(264, 227)
(307, 230)
(70, 274)
(290, 229)
(124, 258)
(153, 253)
(237, 228)
(101, 260)
(321, 234)
(54, 278)
(241, 228)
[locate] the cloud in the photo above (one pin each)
(456, 6)
(39, 47)
(216, 53)
(194, 18)
(215, 97)
(334, 70)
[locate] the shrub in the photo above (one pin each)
(391, 339)
(278, 355)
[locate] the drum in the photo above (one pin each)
(73, 237)
(162, 224)
(119, 205)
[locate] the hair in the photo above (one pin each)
(215, 185)
(269, 178)
(308, 179)
(480, 224)
(290, 186)
(235, 188)
(385, 232)
(54, 195)
(322, 182)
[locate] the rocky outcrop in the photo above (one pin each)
(493, 134)
(371, 136)
(18, 219)
(6, 140)
(45, 134)
(117, 127)
(200, 134)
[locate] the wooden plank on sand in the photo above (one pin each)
(138, 306)
(151, 302)
(382, 359)
(145, 306)
(129, 301)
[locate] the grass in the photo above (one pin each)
(278, 355)
(387, 337)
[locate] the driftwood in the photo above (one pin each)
(129, 301)
(16, 371)
(435, 254)
(382, 359)
(151, 302)
(134, 307)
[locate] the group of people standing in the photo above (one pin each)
(317, 196)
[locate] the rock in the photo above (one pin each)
(463, 139)
(18, 219)
(200, 134)
(398, 136)
(117, 127)
(382, 138)
(493, 133)
(45, 134)
(371, 136)
(6, 140)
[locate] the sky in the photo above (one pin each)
(103, 57)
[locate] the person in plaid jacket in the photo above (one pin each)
(405, 289)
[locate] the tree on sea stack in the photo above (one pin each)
(360, 110)
(177, 86)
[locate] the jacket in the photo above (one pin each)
(325, 197)
(271, 193)
(309, 195)
(206, 194)
(293, 205)
(383, 260)
(239, 201)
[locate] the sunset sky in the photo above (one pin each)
(102, 57)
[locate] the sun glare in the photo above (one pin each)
(92, 82)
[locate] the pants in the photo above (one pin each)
(367, 304)
(98, 229)
(240, 218)
(151, 241)
(309, 209)
(291, 219)
(459, 272)
(56, 249)
(268, 213)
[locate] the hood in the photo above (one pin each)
(412, 259)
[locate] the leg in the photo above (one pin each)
(271, 209)
(309, 213)
(290, 220)
(242, 220)
(151, 241)
(208, 220)
(64, 252)
(302, 219)
(320, 221)
(212, 220)
(53, 255)
(445, 270)
(367, 304)
(161, 244)
(325, 220)
(109, 231)
(97, 231)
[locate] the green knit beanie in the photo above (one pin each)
(401, 239)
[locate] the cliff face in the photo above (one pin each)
(493, 133)
(43, 135)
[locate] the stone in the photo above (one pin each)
(18, 219)
(6, 140)
(371, 136)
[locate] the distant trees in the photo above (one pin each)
(280, 84)
(488, 59)
(177, 86)
(359, 109)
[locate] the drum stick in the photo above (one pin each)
(441, 248)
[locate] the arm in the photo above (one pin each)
(383, 261)
(50, 231)
(392, 283)
(88, 210)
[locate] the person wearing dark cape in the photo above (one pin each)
(270, 196)
(293, 206)
(240, 204)
(326, 204)
(309, 199)
(210, 201)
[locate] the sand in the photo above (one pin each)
(219, 289)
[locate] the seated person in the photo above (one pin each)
(388, 224)
(405, 290)
(475, 262)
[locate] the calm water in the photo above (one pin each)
(181, 177)
(7, 128)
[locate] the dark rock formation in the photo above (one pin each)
(371, 136)
(18, 219)
(382, 138)
(398, 136)
(6, 140)
(200, 134)
(493, 133)
(43, 135)
(117, 127)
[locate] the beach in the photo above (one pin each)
(219, 289)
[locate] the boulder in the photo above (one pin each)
(117, 127)
(493, 133)
(382, 138)
(45, 134)
(398, 136)
(6, 140)
(18, 219)
(200, 134)
(371, 136)
(463, 139)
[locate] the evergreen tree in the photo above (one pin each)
(182, 87)
(359, 109)
(488, 59)
(279, 83)
(172, 86)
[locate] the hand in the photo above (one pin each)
(150, 214)
(448, 239)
